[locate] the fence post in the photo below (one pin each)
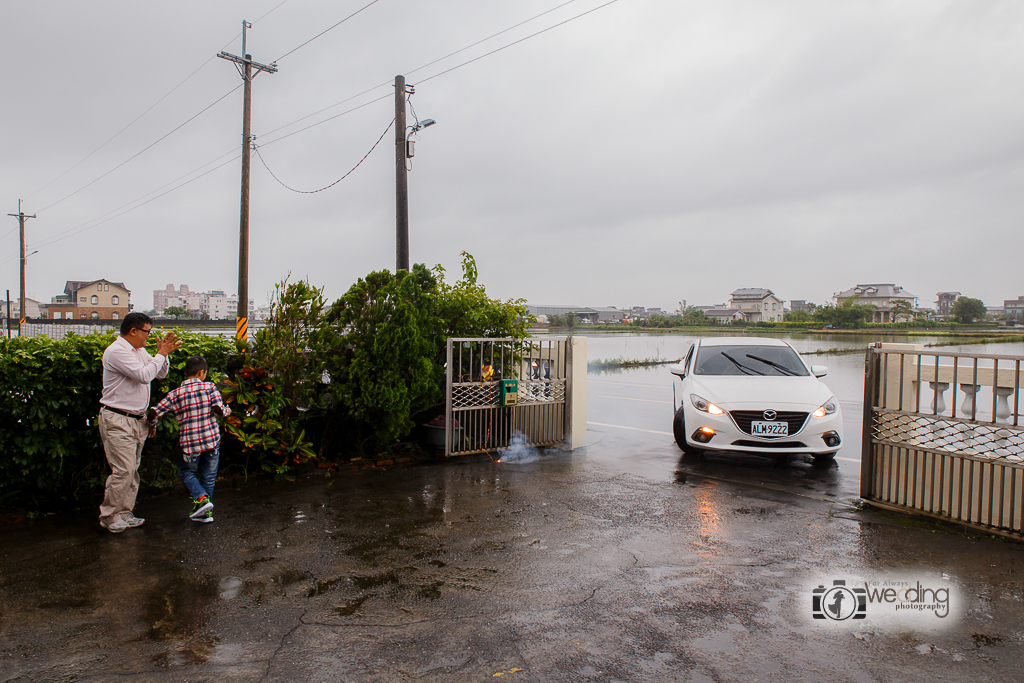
(448, 401)
(576, 392)
(867, 450)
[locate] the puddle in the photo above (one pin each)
(230, 587)
(180, 609)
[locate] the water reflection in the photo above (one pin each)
(781, 473)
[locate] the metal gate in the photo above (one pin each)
(476, 421)
(961, 461)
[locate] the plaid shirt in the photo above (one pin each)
(192, 404)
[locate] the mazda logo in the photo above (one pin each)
(770, 415)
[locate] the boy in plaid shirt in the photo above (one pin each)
(194, 404)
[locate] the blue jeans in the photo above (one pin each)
(200, 475)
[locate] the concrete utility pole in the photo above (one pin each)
(21, 228)
(245, 67)
(401, 179)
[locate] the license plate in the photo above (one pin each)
(758, 428)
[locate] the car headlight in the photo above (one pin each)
(704, 405)
(827, 408)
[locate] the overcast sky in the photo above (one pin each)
(648, 152)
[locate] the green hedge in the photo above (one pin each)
(49, 399)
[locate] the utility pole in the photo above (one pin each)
(401, 179)
(245, 67)
(21, 229)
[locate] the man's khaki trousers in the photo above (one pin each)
(123, 438)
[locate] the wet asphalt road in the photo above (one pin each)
(618, 562)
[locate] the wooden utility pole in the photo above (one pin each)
(245, 67)
(21, 229)
(401, 179)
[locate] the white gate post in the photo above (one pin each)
(576, 434)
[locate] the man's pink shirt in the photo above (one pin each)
(127, 372)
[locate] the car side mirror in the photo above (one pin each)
(819, 370)
(677, 369)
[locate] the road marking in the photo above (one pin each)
(645, 400)
(630, 384)
(632, 429)
(847, 459)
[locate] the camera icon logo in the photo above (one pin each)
(839, 602)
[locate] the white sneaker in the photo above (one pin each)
(132, 521)
(115, 527)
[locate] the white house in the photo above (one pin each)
(757, 304)
(882, 296)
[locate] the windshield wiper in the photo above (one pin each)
(742, 368)
(780, 368)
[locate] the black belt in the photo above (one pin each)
(103, 406)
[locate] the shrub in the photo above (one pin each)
(49, 399)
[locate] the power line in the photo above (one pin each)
(264, 16)
(54, 238)
(420, 68)
(179, 127)
(77, 231)
(484, 40)
(562, 23)
(505, 47)
(149, 109)
(314, 125)
(324, 31)
(257, 150)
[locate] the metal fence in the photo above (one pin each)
(60, 330)
(960, 459)
(475, 419)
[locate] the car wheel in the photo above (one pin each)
(679, 432)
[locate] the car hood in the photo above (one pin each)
(737, 393)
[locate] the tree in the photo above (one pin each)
(695, 316)
(177, 312)
(902, 309)
(849, 314)
(966, 310)
(564, 320)
(799, 316)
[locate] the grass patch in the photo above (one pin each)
(629, 362)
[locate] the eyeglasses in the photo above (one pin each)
(145, 332)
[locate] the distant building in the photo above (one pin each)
(757, 304)
(723, 314)
(882, 296)
(596, 314)
(944, 302)
(799, 305)
(608, 314)
(96, 299)
(33, 308)
(1014, 309)
(214, 304)
(167, 297)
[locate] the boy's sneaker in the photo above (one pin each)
(132, 521)
(201, 507)
(115, 527)
(205, 518)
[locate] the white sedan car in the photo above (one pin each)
(754, 395)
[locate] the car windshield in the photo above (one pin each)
(773, 361)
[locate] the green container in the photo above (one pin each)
(509, 392)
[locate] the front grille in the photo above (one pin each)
(769, 444)
(743, 418)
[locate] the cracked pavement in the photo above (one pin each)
(567, 568)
